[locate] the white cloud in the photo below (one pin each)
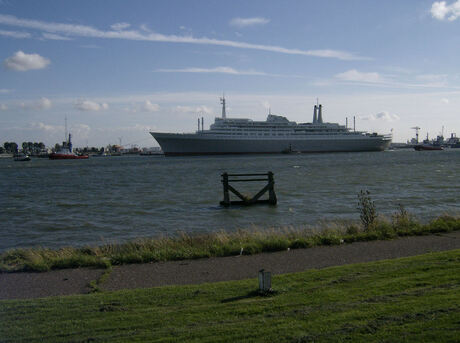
(120, 26)
(187, 30)
(445, 101)
(80, 130)
(244, 22)
(440, 10)
(3, 107)
(357, 76)
(136, 127)
(56, 131)
(220, 70)
(42, 104)
(45, 127)
(432, 77)
(204, 109)
(183, 109)
(53, 36)
(5, 91)
(146, 106)
(385, 116)
(15, 34)
(145, 28)
(21, 61)
(388, 80)
(433, 80)
(399, 70)
(190, 109)
(88, 105)
(149, 107)
(88, 31)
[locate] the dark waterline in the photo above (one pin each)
(114, 199)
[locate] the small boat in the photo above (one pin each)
(66, 152)
(289, 150)
(21, 157)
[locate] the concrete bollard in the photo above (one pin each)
(265, 281)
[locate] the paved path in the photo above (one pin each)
(75, 281)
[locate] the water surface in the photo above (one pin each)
(114, 199)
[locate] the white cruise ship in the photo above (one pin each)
(275, 135)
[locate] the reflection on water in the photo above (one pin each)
(55, 203)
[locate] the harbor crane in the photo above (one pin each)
(417, 129)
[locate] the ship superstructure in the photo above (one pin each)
(274, 135)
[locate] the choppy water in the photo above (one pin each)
(56, 203)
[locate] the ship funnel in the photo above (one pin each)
(70, 143)
(320, 115)
(315, 117)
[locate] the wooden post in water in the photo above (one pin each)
(271, 189)
(226, 201)
(244, 199)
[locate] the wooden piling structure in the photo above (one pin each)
(269, 187)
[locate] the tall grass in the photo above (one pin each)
(246, 242)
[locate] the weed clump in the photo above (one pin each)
(366, 207)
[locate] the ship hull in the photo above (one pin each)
(174, 144)
(427, 147)
(55, 156)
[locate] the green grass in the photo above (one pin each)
(414, 299)
(218, 244)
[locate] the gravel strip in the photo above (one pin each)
(245, 267)
(75, 281)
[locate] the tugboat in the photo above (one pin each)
(430, 145)
(66, 152)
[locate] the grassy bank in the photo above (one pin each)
(412, 299)
(218, 244)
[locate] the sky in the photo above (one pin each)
(119, 69)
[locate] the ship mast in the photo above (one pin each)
(65, 132)
(222, 101)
